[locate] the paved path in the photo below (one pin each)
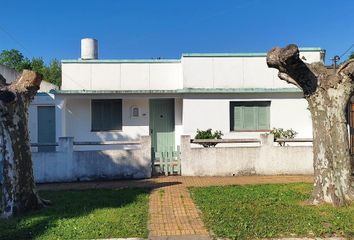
(172, 213)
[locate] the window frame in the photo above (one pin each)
(113, 102)
(234, 104)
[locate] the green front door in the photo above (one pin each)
(162, 125)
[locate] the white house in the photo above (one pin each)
(105, 100)
(127, 100)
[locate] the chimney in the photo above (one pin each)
(89, 49)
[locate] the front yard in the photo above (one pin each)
(265, 211)
(233, 212)
(83, 214)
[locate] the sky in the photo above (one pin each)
(145, 29)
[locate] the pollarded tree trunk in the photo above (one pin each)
(18, 190)
(327, 93)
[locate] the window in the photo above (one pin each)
(252, 116)
(106, 114)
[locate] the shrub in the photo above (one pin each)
(208, 134)
(281, 133)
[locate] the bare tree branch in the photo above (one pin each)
(288, 79)
(347, 69)
(292, 69)
(26, 84)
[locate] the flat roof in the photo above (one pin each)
(122, 61)
(181, 91)
(259, 54)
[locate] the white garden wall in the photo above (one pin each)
(67, 165)
(266, 159)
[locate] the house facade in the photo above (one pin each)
(236, 93)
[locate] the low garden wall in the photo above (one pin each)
(266, 159)
(67, 165)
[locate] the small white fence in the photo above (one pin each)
(264, 158)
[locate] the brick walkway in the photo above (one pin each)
(172, 213)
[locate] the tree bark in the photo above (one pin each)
(328, 94)
(18, 189)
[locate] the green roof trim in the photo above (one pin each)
(122, 61)
(182, 91)
(260, 54)
(308, 49)
(224, 54)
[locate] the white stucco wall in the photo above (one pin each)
(66, 165)
(266, 159)
(285, 112)
(193, 71)
(121, 76)
(77, 119)
(234, 71)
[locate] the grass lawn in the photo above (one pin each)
(264, 211)
(84, 214)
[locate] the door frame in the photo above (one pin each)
(151, 124)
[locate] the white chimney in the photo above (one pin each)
(89, 49)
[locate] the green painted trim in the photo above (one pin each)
(260, 54)
(224, 54)
(182, 91)
(239, 90)
(122, 61)
(308, 49)
(311, 49)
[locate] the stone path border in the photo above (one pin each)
(172, 213)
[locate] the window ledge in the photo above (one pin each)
(251, 130)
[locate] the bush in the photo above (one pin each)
(281, 133)
(208, 134)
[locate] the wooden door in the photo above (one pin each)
(162, 125)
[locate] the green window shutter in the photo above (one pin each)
(106, 114)
(96, 115)
(250, 118)
(252, 115)
(238, 118)
(263, 118)
(116, 115)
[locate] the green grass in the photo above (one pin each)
(84, 214)
(264, 211)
